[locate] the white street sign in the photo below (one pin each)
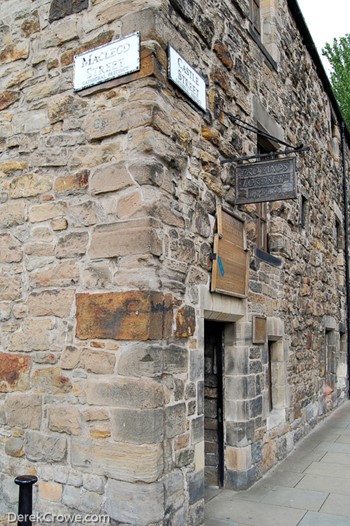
(186, 78)
(107, 62)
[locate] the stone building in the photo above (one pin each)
(159, 333)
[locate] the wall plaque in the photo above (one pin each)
(259, 329)
(107, 62)
(266, 181)
(186, 78)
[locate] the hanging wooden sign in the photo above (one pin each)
(231, 258)
(266, 181)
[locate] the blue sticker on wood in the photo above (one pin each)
(221, 266)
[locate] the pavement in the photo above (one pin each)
(311, 487)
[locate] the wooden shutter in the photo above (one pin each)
(231, 263)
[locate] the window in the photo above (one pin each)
(276, 383)
(255, 15)
(262, 17)
(339, 240)
(269, 377)
(261, 226)
(304, 213)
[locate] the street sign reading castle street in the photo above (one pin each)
(186, 78)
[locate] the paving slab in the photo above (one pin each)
(296, 498)
(334, 447)
(326, 484)
(323, 519)
(336, 458)
(218, 522)
(296, 466)
(344, 438)
(337, 505)
(253, 513)
(286, 479)
(328, 470)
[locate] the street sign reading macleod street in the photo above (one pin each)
(266, 181)
(107, 62)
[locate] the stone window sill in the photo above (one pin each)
(268, 258)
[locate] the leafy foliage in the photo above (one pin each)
(339, 57)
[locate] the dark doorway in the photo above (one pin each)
(213, 403)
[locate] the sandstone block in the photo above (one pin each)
(98, 362)
(95, 414)
(59, 9)
(31, 24)
(10, 249)
(34, 335)
(137, 427)
(127, 462)
(44, 448)
(63, 274)
(84, 214)
(11, 167)
(137, 236)
(30, 122)
(51, 303)
(130, 503)
(50, 380)
(14, 447)
(64, 419)
(10, 287)
(93, 483)
(7, 98)
(110, 178)
(124, 118)
(2, 414)
(14, 51)
(29, 185)
(24, 410)
(185, 322)
(130, 204)
(134, 315)
(175, 420)
(175, 359)
(72, 184)
(63, 107)
(12, 214)
(60, 223)
(141, 361)
(14, 372)
(50, 491)
(45, 211)
(70, 357)
(72, 245)
(126, 392)
(239, 459)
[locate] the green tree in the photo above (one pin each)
(339, 57)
